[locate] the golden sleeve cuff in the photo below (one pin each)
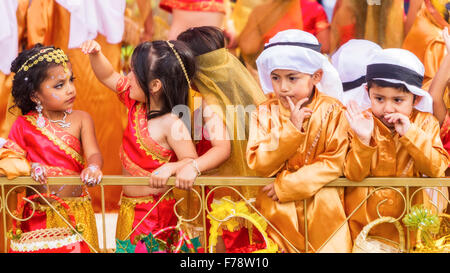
(425, 147)
(359, 158)
(273, 139)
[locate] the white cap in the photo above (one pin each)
(396, 65)
(297, 50)
(351, 60)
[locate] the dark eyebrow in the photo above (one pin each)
(293, 74)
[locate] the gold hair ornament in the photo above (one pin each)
(180, 61)
(51, 55)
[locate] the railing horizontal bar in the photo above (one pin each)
(117, 180)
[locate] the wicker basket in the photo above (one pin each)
(50, 240)
(367, 244)
(441, 241)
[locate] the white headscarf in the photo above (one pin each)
(297, 50)
(90, 17)
(9, 44)
(400, 66)
(351, 60)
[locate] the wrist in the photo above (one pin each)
(196, 167)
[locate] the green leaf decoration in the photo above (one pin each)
(124, 246)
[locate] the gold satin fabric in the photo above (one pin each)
(49, 23)
(381, 24)
(426, 42)
(13, 164)
(7, 118)
(81, 208)
(225, 83)
(303, 163)
(419, 152)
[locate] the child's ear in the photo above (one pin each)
(35, 97)
(317, 76)
(155, 86)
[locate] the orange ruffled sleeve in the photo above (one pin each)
(13, 164)
(272, 140)
(425, 147)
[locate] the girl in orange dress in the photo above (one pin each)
(154, 138)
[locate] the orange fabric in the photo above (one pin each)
(291, 20)
(426, 42)
(49, 24)
(303, 162)
(193, 5)
(419, 152)
(7, 118)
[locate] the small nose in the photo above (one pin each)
(389, 108)
(284, 86)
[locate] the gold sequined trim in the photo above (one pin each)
(148, 148)
(57, 141)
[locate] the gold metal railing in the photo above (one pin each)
(223, 182)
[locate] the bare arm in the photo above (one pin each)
(440, 82)
(414, 7)
(101, 66)
(179, 139)
(220, 141)
(92, 174)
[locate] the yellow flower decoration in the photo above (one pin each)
(229, 213)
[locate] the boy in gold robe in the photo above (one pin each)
(300, 136)
(397, 137)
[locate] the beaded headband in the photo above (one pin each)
(51, 55)
(180, 61)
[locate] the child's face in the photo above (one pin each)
(293, 84)
(136, 92)
(57, 92)
(387, 100)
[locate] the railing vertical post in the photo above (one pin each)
(205, 238)
(408, 208)
(306, 225)
(103, 217)
(3, 209)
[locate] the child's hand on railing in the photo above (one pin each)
(160, 176)
(186, 176)
(39, 173)
(92, 175)
(90, 47)
(270, 191)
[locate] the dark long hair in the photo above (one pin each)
(203, 39)
(26, 83)
(156, 60)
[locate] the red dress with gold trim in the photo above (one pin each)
(59, 151)
(61, 154)
(141, 155)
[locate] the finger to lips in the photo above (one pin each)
(291, 104)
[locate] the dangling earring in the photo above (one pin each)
(40, 120)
